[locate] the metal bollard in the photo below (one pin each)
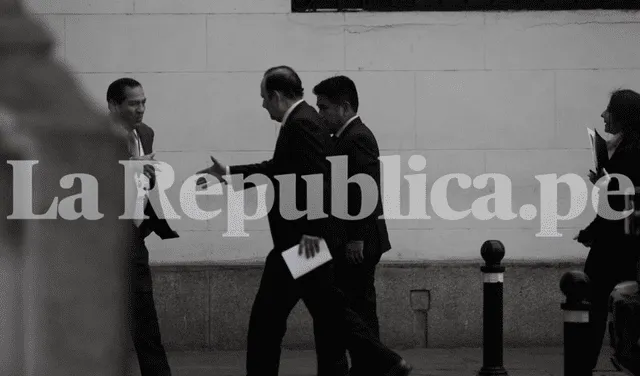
(574, 286)
(492, 252)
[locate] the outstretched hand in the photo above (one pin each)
(217, 169)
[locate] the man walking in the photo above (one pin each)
(337, 101)
(127, 102)
(301, 149)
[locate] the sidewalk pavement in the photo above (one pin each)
(535, 361)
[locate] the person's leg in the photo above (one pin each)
(334, 312)
(145, 330)
(598, 314)
(276, 297)
(358, 284)
(359, 336)
(152, 357)
(326, 306)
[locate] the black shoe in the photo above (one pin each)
(401, 369)
(626, 365)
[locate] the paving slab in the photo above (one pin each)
(535, 361)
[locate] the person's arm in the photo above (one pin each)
(265, 168)
(602, 226)
(309, 158)
(363, 159)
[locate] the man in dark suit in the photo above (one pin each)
(301, 149)
(127, 101)
(337, 101)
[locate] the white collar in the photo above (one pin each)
(290, 110)
(339, 132)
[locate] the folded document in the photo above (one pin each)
(300, 265)
(598, 149)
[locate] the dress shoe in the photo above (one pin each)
(401, 369)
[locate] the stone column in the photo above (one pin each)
(64, 285)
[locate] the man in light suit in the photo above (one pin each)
(302, 148)
(337, 101)
(127, 101)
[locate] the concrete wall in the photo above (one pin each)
(472, 92)
(436, 304)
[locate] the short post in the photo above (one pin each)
(492, 252)
(574, 286)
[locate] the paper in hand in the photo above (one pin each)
(598, 149)
(592, 141)
(300, 265)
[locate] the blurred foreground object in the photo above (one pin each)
(624, 302)
(63, 283)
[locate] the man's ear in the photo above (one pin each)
(112, 106)
(345, 107)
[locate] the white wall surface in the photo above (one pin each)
(474, 93)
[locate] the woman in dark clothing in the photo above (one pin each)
(613, 255)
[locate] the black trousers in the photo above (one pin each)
(335, 325)
(357, 282)
(145, 330)
(147, 341)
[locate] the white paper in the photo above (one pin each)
(592, 139)
(300, 265)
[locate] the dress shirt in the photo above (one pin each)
(138, 151)
(136, 136)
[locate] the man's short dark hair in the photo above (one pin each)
(116, 91)
(285, 80)
(338, 89)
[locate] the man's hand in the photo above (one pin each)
(354, 252)
(594, 177)
(150, 172)
(309, 245)
(217, 169)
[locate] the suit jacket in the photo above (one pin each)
(140, 273)
(302, 148)
(153, 223)
(359, 144)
